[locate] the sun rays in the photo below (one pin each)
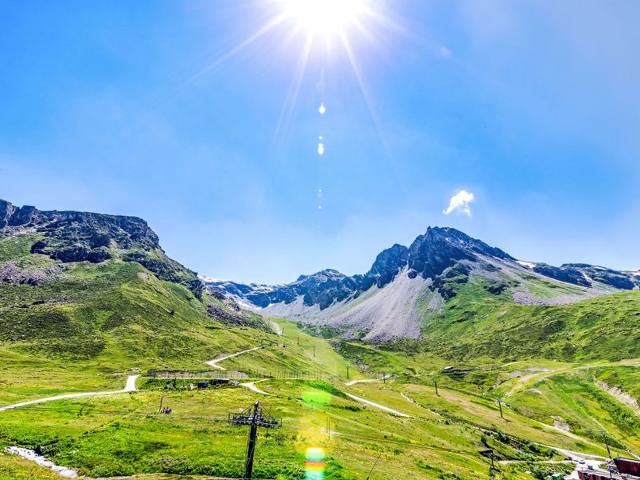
(327, 28)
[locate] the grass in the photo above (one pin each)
(544, 288)
(478, 325)
(87, 329)
(574, 401)
(15, 468)
(125, 434)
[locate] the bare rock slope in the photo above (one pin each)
(406, 283)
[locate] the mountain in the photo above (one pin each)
(406, 286)
(82, 236)
(88, 285)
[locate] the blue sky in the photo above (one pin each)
(133, 108)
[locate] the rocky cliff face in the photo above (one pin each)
(588, 275)
(434, 267)
(429, 256)
(68, 236)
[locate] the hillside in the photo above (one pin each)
(70, 237)
(87, 287)
(477, 324)
(74, 325)
(461, 298)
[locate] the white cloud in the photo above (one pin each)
(444, 52)
(460, 201)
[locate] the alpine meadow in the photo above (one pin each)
(319, 240)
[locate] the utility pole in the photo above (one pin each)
(254, 417)
(500, 405)
(374, 466)
(251, 444)
(606, 442)
(490, 454)
(435, 384)
(161, 402)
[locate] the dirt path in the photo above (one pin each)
(377, 405)
(214, 363)
(366, 380)
(521, 383)
(130, 386)
(252, 386)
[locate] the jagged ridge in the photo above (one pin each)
(69, 236)
(443, 260)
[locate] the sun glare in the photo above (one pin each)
(328, 18)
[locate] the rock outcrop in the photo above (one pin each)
(429, 256)
(69, 236)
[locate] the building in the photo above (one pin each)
(625, 469)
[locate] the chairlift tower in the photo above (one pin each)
(254, 416)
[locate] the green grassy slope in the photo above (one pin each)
(574, 403)
(88, 326)
(124, 435)
(476, 324)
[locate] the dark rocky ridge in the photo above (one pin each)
(69, 236)
(429, 256)
(585, 275)
(444, 255)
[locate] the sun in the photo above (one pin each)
(327, 18)
(318, 31)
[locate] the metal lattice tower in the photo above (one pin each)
(254, 416)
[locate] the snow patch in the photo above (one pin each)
(526, 264)
(207, 279)
(42, 461)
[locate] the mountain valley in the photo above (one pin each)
(442, 349)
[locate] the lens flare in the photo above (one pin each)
(324, 17)
(314, 465)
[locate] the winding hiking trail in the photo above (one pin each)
(525, 381)
(384, 378)
(214, 363)
(377, 405)
(130, 386)
(252, 386)
(366, 380)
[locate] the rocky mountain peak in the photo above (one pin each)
(322, 276)
(440, 248)
(388, 264)
(93, 230)
(70, 236)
